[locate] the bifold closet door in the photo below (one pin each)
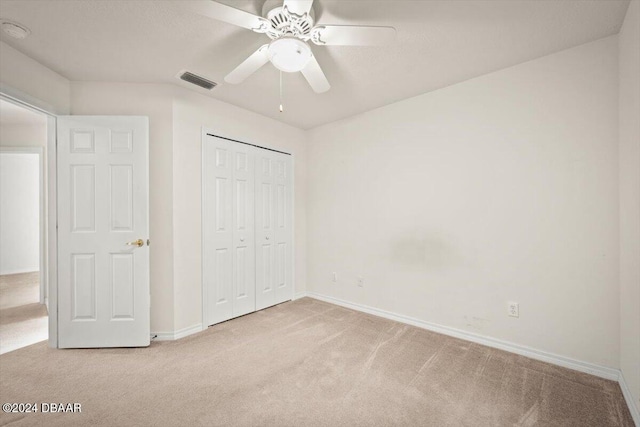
(274, 226)
(228, 224)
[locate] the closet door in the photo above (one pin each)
(283, 231)
(273, 228)
(244, 248)
(228, 230)
(265, 230)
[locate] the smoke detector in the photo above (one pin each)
(15, 30)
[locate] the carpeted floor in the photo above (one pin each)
(306, 363)
(23, 321)
(19, 289)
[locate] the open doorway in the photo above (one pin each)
(23, 290)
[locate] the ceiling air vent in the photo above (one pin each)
(197, 80)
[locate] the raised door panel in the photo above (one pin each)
(243, 280)
(121, 198)
(83, 198)
(222, 204)
(266, 270)
(83, 287)
(223, 285)
(122, 281)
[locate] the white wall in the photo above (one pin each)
(501, 188)
(24, 135)
(33, 82)
(19, 213)
(191, 111)
(629, 160)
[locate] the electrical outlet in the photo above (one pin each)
(335, 277)
(360, 281)
(513, 308)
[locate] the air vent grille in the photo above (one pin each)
(197, 80)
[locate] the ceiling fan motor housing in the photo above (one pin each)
(286, 23)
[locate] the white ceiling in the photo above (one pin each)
(439, 43)
(13, 115)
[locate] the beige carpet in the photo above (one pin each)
(19, 289)
(23, 321)
(306, 363)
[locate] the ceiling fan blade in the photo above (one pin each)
(249, 66)
(349, 35)
(314, 75)
(299, 7)
(229, 14)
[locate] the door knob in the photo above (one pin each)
(267, 237)
(242, 239)
(139, 243)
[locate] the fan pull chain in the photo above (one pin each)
(281, 109)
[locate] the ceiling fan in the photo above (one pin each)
(290, 28)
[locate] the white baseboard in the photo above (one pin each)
(18, 271)
(299, 295)
(176, 335)
(589, 368)
(631, 402)
(162, 336)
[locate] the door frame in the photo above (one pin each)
(42, 218)
(204, 133)
(51, 259)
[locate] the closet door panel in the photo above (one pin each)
(265, 230)
(243, 231)
(283, 231)
(217, 228)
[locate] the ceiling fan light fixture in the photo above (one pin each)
(289, 54)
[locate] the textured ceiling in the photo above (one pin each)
(13, 115)
(439, 43)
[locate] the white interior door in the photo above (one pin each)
(228, 250)
(103, 227)
(273, 228)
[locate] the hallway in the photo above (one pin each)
(23, 321)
